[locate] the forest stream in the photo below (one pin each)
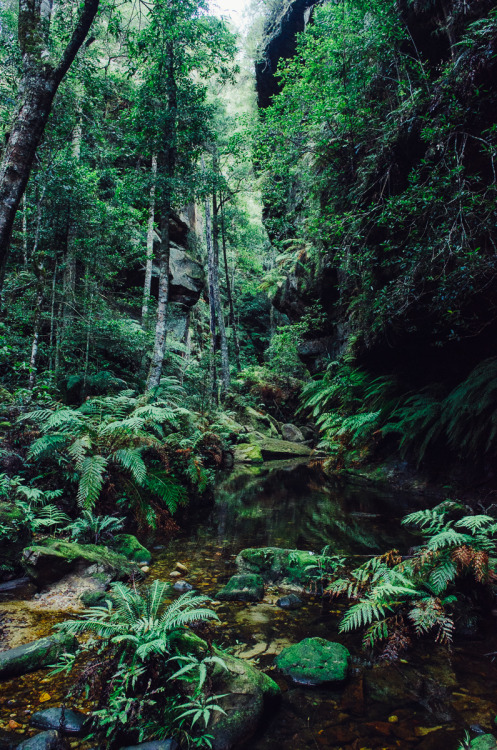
(425, 701)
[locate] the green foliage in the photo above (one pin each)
(94, 529)
(105, 440)
(398, 598)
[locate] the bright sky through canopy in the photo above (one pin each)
(233, 9)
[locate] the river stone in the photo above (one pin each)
(35, 655)
(272, 448)
(182, 586)
(247, 453)
(242, 588)
(292, 601)
(129, 546)
(8, 740)
(65, 720)
(50, 559)
(314, 661)
(42, 741)
(484, 742)
(292, 433)
(19, 588)
(157, 745)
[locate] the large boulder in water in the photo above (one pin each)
(314, 661)
(292, 433)
(35, 655)
(51, 559)
(243, 588)
(247, 693)
(247, 453)
(271, 448)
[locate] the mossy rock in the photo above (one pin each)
(314, 661)
(242, 588)
(272, 448)
(129, 546)
(50, 559)
(259, 421)
(248, 692)
(35, 655)
(247, 453)
(275, 564)
(14, 536)
(484, 742)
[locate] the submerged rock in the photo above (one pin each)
(242, 588)
(8, 740)
(247, 453)
(292, 601)
(275, 564)
(42, 741)
(314, 661)
(182, 586)
(51, 559)
(35, 655)
(64, 720)
(129, 546)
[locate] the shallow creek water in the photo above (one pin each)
(426, 701)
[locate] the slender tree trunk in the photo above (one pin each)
(232, 319)
(150, 244)
(52, 317)
(168, 165)
(40, 299)
(39, 83)
(212, 304)
(24, 231)
(157, 362)
(225, 364)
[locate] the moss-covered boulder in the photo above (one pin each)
(129, 546)
(247, 693)
(275, 564)
(242, 588)
(484, 742)
(15, 534)
(35, 655)
(50, 559)
(95, 598)
(257, 420)
(272, 449)
(314, 661)
(247, 453)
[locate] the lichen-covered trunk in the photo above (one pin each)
(155, 371)
(150, 244)
(36, 95)
(225, 363)
(212, 305)
(232, 318)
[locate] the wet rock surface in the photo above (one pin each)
(64, 720)
(158, 745)
(292, 601)
(314, 661)
(182, 587)
(35, 655)
(242, 588)
(42, 741)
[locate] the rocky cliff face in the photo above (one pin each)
(442, 315)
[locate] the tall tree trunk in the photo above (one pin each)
(168, 165)
(232, 318)
(40, 299)
(212, 304)
(150, 244)
(157, 362)
(225, 364)
(39, 83)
